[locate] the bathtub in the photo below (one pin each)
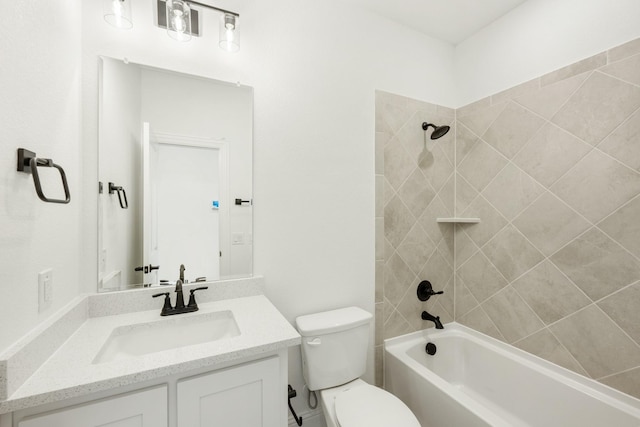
(475, 380)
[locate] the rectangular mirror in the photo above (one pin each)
(175, 172)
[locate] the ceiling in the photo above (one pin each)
(450, 20)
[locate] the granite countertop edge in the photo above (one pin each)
(19, 403)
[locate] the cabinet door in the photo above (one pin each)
(242, 396)
(140, 409)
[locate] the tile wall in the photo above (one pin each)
(414, 186)
(552, 168)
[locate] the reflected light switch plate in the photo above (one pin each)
(237, 238)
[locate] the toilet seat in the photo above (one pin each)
(372, 407)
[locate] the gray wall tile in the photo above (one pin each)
(590, 336)
(598, 107)
(524, 274)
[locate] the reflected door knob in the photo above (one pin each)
(147, 268)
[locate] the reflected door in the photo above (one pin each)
(185, 213)
(187, 207)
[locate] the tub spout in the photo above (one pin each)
(434, 319)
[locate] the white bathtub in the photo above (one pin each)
(475, 380)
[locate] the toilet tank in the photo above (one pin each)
(334, 346)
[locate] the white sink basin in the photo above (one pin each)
(166, 334)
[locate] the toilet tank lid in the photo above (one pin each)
(332, 321)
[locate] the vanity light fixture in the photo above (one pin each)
(118, 13)
(182, 21)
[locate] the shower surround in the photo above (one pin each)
(552, 169)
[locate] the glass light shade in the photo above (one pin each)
(229, 33)
(118, 13)
(179, 20)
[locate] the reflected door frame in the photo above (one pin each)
(149, 137)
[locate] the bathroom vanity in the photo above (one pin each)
(100, 362)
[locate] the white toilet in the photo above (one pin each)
(334, 354)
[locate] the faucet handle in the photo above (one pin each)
(192, 297)
(425, 291)
(166, 294)
(167, 303)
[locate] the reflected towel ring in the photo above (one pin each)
(121, 194)
(28, 163)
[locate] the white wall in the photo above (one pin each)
(40, 106)
(317, 68)
(314, 67)
(538, 37)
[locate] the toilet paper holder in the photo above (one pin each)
(292, 393)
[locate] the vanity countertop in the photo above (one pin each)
(70, 372)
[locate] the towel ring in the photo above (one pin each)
(28, 163)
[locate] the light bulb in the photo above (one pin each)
(178, 20)
(116, 6)
(230, 35)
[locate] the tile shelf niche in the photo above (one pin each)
(456, 220)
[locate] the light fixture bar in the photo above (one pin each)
(227, 12)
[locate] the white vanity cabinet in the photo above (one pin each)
(147, 408)
(246, 396)
(250, 393)
(221, 380)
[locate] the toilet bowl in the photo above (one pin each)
(358, 404)
(334, 353)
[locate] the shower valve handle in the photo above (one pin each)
(425, 291)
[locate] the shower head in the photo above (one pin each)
(438, 131)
